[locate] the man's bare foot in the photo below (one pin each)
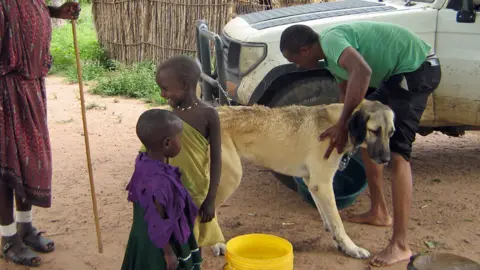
(392, 254)
(371, 218)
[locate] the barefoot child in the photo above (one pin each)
(177, 78)
(163, 211)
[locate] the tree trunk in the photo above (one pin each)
(57, 22)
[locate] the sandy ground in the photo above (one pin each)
(444, 213)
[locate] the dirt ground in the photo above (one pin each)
(444, 213)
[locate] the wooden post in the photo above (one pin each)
(85, 133)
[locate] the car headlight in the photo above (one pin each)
(250, 56)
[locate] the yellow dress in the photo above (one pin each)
(194, 163)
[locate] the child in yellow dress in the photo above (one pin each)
(200, 157)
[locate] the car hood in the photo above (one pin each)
(244, 26)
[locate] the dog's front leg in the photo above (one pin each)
(326, 226)
(321, 188)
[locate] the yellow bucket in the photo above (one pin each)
(259, 252)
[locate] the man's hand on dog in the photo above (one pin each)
(338, 135)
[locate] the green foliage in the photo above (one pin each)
(113, 78)
(93, 57)
(136, 81)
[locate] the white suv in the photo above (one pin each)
(251, 68)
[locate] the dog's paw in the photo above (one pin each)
(219, 249)
(223, 248)
(355, 252)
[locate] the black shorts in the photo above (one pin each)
(408, 104)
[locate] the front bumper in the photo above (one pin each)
(225, 79)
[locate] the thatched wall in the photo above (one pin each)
(138, 30)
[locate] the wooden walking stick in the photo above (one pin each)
(85, 132)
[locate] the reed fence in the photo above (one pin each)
(137, 30)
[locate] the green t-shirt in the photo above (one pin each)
(387, 48)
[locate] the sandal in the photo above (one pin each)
(16, 251)
(34, 239)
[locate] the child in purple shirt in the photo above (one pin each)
(163, 212)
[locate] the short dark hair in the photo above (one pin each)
(155, 125)
(184, 67)
(296, 36)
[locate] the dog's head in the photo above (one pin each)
(371, 127)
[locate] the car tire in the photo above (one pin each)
(308, 91)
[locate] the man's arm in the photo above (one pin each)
(67, 11)
(338, 49)
(359, 73)
(343, 89)
(54, 11)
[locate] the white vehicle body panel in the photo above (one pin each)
(456, 44)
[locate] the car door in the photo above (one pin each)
(457, 98)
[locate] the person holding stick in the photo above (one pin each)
(25, 154)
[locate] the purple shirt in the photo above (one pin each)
(155, 180)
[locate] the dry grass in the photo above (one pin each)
(138, 30)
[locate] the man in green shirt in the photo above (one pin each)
(384, 62)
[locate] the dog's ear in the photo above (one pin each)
(357, 127)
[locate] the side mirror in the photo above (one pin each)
(467, 13)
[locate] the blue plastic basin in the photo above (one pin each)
(347, 184)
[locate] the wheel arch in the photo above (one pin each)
(280, 76)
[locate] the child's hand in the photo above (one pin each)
(207, 210)
(171, 260)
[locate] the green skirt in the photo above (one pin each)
(142, 254)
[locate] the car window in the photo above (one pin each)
(457, 4)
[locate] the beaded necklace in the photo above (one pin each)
(188, 108)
